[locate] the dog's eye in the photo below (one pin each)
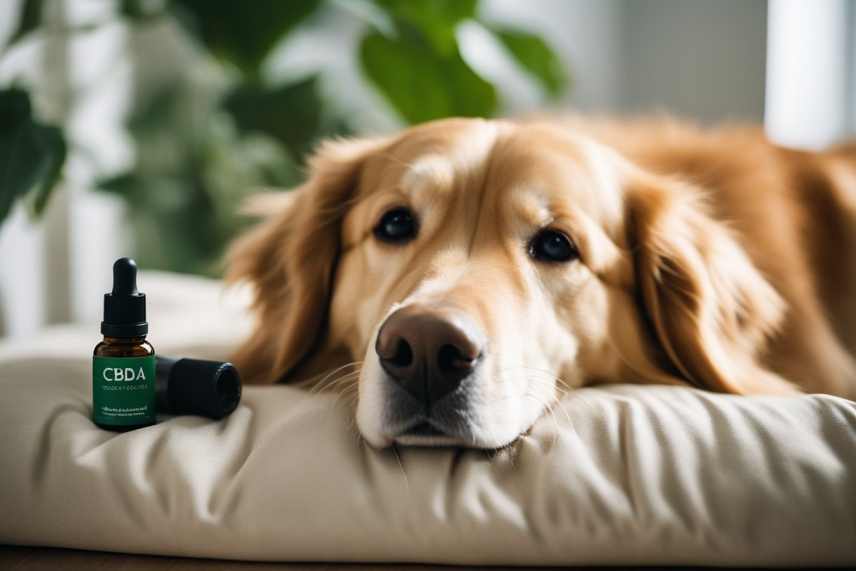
(396, 225)
(552, 246)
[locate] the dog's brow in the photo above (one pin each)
(602, 170)
(533, 206)
(430, 173)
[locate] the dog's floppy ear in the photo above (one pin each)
(290, 258)
(709, 308)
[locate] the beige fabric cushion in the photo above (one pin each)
(625, 475)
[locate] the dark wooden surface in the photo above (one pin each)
(52, 559)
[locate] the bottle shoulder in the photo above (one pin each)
(113, 347)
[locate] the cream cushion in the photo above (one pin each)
(625, 475)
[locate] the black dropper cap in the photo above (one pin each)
(196, 386)
(124, 307)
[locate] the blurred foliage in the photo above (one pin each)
(31, 154)
(29, 20)
(192, 171)
(243, 32)
(202, 146)
(535, 56)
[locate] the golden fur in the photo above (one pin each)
(707, 257)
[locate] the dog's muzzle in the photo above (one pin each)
(430, 354)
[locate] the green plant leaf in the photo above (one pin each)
(420, 83)
(140, 10)
(31, 154)
(436, 20)
(289, 113)
(125, 185)
(31, 16)
(244, 32)
(537, 58)
(50, 143)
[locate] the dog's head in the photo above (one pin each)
(474, 270)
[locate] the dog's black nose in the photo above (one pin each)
(429, 351)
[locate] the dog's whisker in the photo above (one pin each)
(347, 396)
(401, 466)
(331, 374)
(343, 381)
(550, 410)
(551, 377)
(339, 383)
(556, 429)
(549, 407)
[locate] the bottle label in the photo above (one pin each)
(123, 390)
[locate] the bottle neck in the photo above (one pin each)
(124, 340)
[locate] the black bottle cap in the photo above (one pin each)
(195, 386)
(124, 307)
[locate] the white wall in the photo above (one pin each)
(851, 50)
(809, 77)
(699, 58)
(22, 310)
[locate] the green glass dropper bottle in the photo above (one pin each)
(123, 364)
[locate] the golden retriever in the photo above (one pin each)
(463, 274)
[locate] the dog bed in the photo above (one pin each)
(621, 475)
